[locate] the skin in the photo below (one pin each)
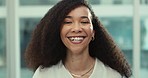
(78, 24)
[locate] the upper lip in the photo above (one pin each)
(76, 36)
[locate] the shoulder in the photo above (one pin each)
(43, 72)
(46, 72)
(109, 72)
(112, 73)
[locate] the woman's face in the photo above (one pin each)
(77, 30)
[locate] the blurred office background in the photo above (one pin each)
(126, 21)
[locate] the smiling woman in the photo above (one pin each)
(74, 44)
(77, 30)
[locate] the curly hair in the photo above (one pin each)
(47, 49)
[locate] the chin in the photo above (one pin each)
(77, 50)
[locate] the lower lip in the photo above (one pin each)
(76, 42)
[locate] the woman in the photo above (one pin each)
(70, 42)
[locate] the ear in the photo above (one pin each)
(93, 35)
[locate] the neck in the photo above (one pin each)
(79, 64)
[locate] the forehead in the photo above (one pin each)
(79, 11)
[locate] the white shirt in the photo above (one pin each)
(59, 71)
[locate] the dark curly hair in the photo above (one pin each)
(47, 49)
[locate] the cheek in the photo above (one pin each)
(90, 30)
(63, 33)
(90, 33)
(63, 39)
(62, 30)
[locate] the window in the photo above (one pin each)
(144, 39)
(117, 2)
(38, 2)
(144, 47)
(124, 38)
(144, 1)
(2, 2)
(2, 49)
(95, 1)
(27, 25)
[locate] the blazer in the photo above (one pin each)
(59, 71)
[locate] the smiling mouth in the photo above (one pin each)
(76, 40)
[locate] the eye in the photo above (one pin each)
(67, 22)
(85, 22)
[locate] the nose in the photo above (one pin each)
(76, 28)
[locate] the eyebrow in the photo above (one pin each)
(80, 17)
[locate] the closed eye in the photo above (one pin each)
(67, 22)
(85, 22)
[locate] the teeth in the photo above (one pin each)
(76, 38)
